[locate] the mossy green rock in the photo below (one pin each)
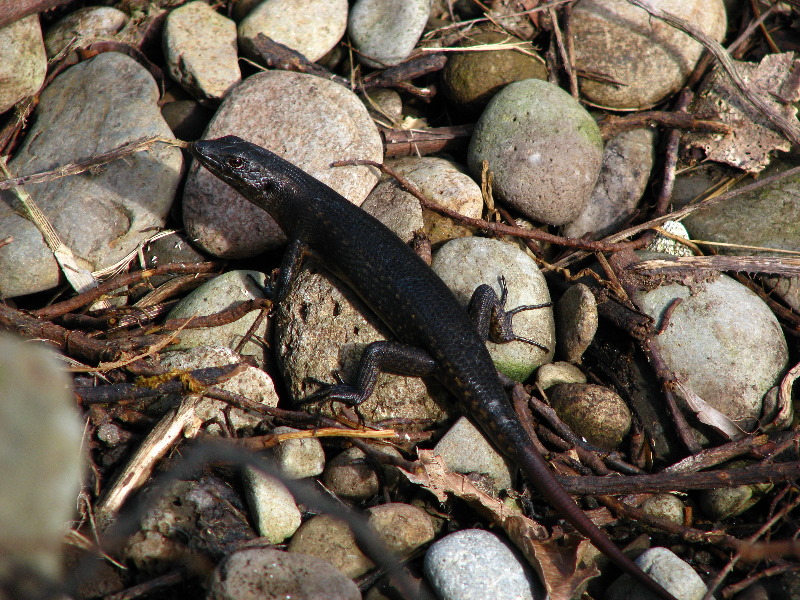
(471, 79)
(544, 149)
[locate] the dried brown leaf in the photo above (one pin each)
(753, 137)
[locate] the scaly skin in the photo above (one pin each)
(406, 295)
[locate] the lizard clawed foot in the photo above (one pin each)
(333, 392)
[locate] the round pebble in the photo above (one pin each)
(465, 449)
(544, 149)
(401, 527)
(329, 538)
(558, 372)
(727, 502)
(23, 61)
(309, 121)
(277, 516)
(311, 27)
(442, 181)
(466, 263)
(386, 31)
(471, 79)
(594, 412)
(298, 458)
(41, 463)
(665, 506)
(253, 383)
(646, 58)
(675, 575)
(351, 475)
(200, 48)
(267, 574)
(576, 322)
(474, 564)
(83, 26)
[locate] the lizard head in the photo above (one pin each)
(258, 174)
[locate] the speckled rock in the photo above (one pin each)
(558, 372)
(594, 412)
(665, 506)
(23, 63)
(668, 245)
(576, 322)
(312, 27)
(200, 48)
(465, 450)
(329, 538)
(307, 120)
(627, 162)
(268, 574)
(474, 564)
(206, 511)
(649, 58)
(385, 104)
(41, 464)
(252, 383)
(402, 527)
(227, 290)
(322, 328)
(440, 180)
(544, 149)
(471, 79)
(466, 263)
(93, 107)
(298, 458)
(186, 118)
(386, 31)
(675, 575)
(720, 327)
(84, 26)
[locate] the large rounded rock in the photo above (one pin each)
(627, 162)
(544, 149)
(103, 214)
(723, 339)
(268, 574)
(307, 120)
(83, 26)
(646, 58)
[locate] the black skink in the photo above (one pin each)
(436, 335)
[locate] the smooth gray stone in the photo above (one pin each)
(474, 564)
(102, 214)
(23, 63)
(41, 464)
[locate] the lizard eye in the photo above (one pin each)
(235, 162)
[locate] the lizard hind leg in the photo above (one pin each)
(491, 318)
(378, 357)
